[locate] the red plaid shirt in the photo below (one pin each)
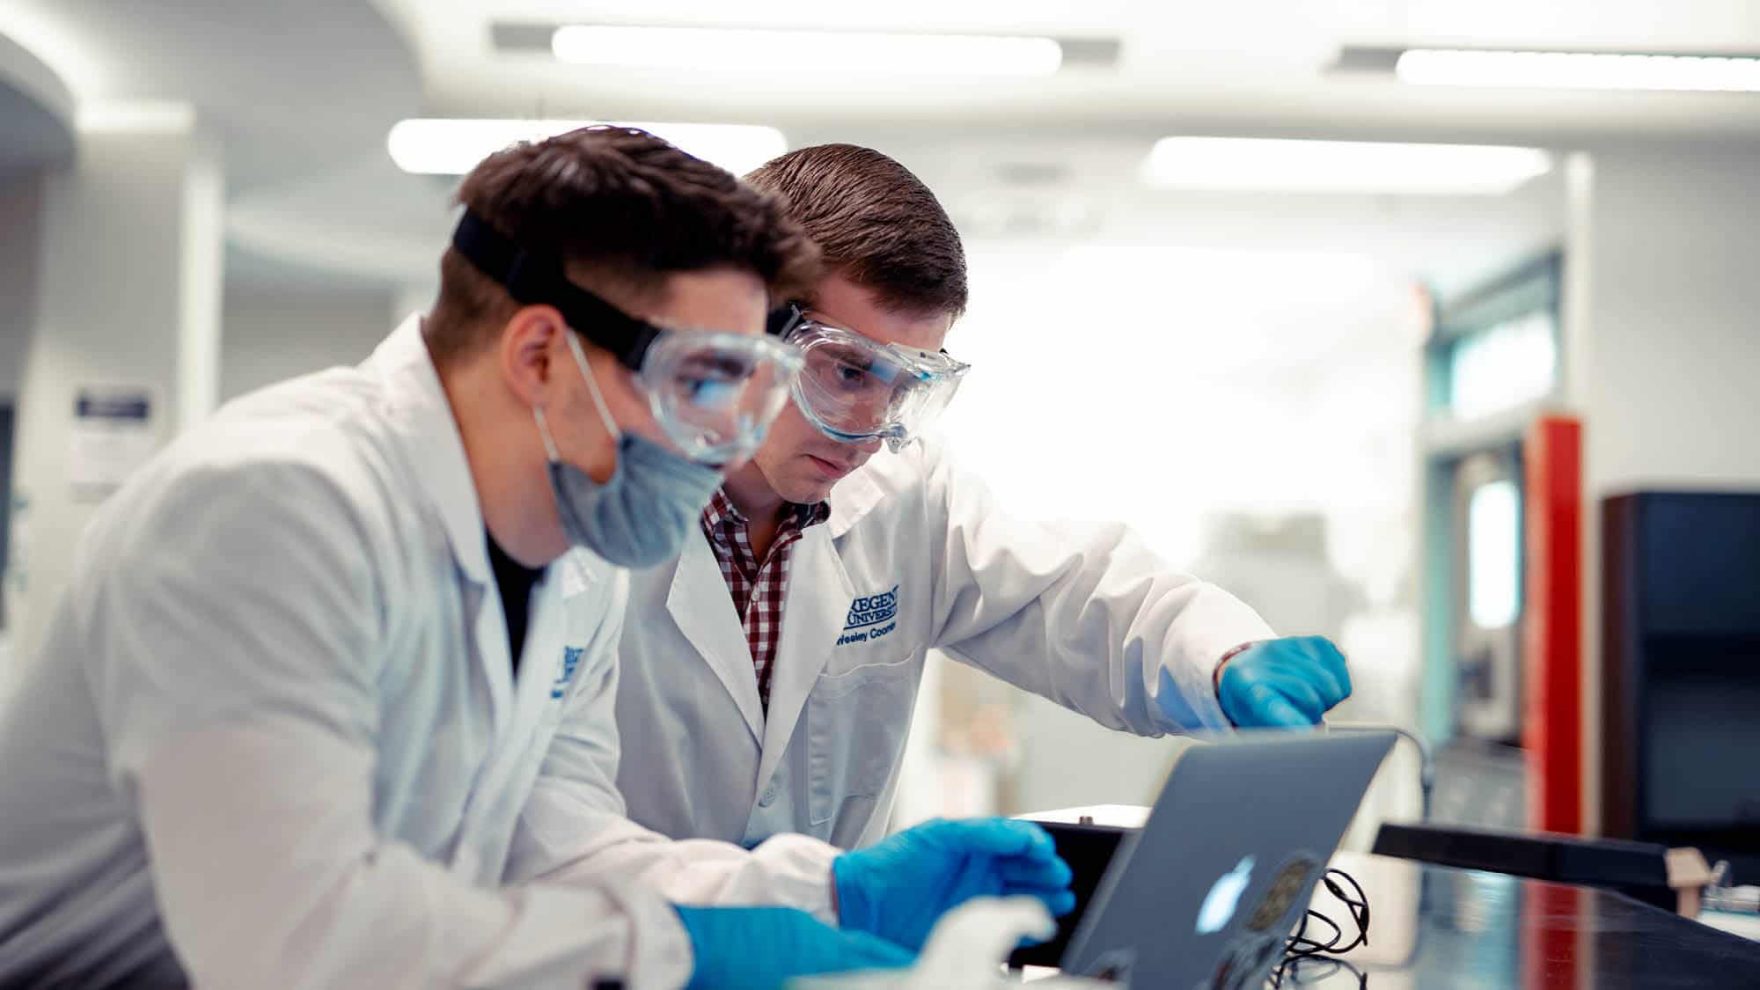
(757, 585)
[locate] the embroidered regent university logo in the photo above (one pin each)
(870, 617)
(571, 659)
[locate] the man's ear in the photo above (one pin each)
(527, 352)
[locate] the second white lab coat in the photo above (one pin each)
(916, 555)
(274, 737)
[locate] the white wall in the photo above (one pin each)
(1673, 351)
(128, 294)
(1157, 383)
(1663, 348)
(270, 334)
(1163, 385)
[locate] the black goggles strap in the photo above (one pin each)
(535, 278)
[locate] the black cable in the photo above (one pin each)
(1295, 968)
(1305, 947)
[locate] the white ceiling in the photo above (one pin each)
(1247, 65)
(302, 94)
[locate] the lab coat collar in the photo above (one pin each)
(703, 610)
(431, 441)
(814, 609)
(854, 497)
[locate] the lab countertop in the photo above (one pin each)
(1436, 928)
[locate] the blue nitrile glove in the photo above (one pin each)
(900, 887)
(1283, 683)
(762, 948)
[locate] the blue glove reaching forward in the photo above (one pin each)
(899, 888)
(1283, 683)
(762, 948)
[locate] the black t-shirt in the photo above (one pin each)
(516, 582)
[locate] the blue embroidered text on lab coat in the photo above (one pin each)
(571, 658)
(866, 615)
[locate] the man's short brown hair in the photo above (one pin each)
(875, 223)
(623, 209)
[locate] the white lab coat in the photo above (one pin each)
(914, 556)
(274, 739)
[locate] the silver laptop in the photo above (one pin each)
(1205, 895)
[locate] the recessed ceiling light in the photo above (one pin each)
(454, 146)
(832, 53)
(1341, 166)
(1579, 70)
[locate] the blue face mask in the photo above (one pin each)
(642, 514)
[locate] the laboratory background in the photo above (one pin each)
(1430, 327)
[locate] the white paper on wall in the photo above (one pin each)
(113, 435)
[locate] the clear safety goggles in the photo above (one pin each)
(854, 389)
(713, 393)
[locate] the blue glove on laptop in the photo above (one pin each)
(761, 948)
(900, 887)
(1282, 683)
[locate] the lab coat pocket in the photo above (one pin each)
(857, 721)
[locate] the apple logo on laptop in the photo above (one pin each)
(1219, 905)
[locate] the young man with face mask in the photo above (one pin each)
(785, 646)
(314, 711)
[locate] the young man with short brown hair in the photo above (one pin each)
(786, 644)
(328, 703)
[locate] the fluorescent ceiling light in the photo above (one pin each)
(452, 146)
(1579, 70)
(1340, 166)
(833, 53)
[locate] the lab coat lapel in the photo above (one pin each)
(431, 445)
(540, 666)
(703, 609)
(489, 635)
(545, 673)
(814, 609)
